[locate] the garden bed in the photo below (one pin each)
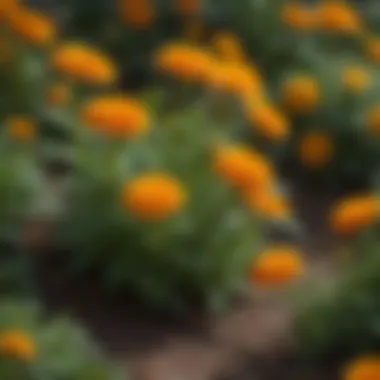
(253, 341)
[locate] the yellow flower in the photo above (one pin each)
(58, 95)
(268, 203)
(242, 167)
(372, 47)
(17, 345)
(298, 17)
(301, 94)
(277, 266)
(187, 7)
(183, 62)
(116, 116)
(228, 47)
(84, 64)
(268, 122)
(20, 128)
(338, 16)
(356, 79)
(154, 197)
(138, 14)
(354, 214)
(32, 26)
(316, 149)
(364, 368)
(373, 120)
(235, 78)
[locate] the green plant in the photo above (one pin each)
(192, 243)
(341, 320)
(33, 347)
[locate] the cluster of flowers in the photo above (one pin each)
(157, 196)
(307, 94)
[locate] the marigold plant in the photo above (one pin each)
(175, 193)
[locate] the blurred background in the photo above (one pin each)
(189, 189)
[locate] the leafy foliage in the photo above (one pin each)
(203, 252)
(342, 320)
(62, 350)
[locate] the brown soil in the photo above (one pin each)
(253, 341)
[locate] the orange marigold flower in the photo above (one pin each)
(235, 78)
(301, 94)
(58, 95)
(354, 214)
(277, 266)
(228, 47)
(7, 7)
(356, 79)
(316, 149)
(243, 167)
(268, 203)
(138, 14)
(187, 7)
(20, 128)
(18, 345)
(183, 62)
(32, 26)
(364, 368)
(154, 197)
(373, 120)
(268, 122)
(84, 64)
(338, 16)
(298, 17)
(116, 116)
(372, 47)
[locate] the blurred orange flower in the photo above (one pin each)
(17, 345)
(299, 17)
(116, 116)
(277, 266)
(354, 214)
(183, 62)
(364, 368)
(138, 14)
(356, 79)
(20, 128)
(267, 203)
(187, 7)
(243, 167)
(235, 78)
(85, 64)
(301, 94)
(316, 149)
(154, 197)
(373, 120)
(32, 26)
(7, 7)
(338, 16)
(372, 47)
(228, 47)
(269, 122)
